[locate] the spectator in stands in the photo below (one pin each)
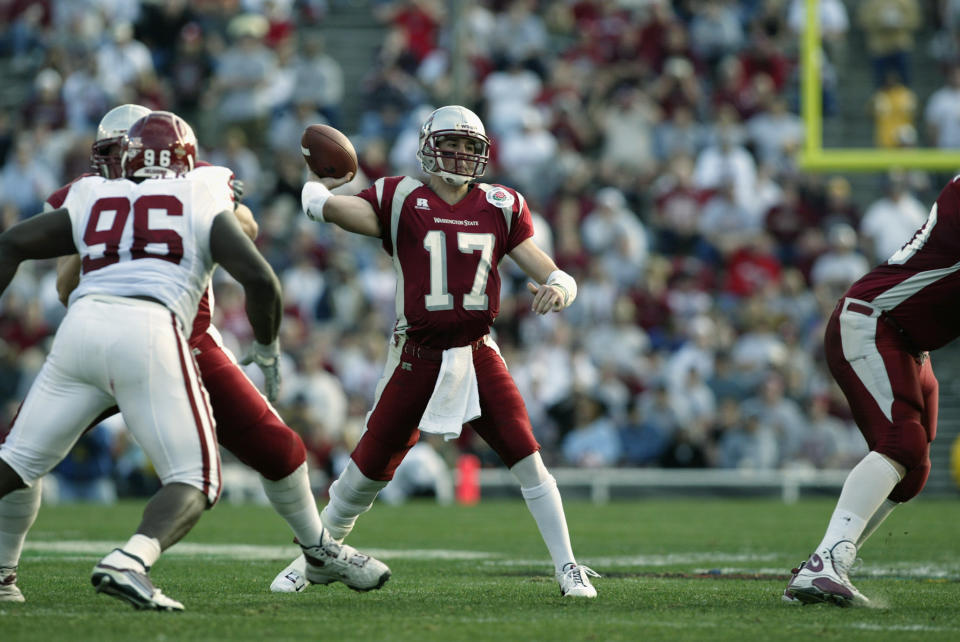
(942, 113)
(242, 77)
(834, 23)
(655, 422)
(159, 27)
(520, 34)
(890, 26)
(891, 220)
(681, 135)
(45, 108)
(715, 31)
(677, 87)
(842, 264)
(776, 134)
(237, 154)
(121, 60)
(25, 181)
(727, 164)
(743, 441)
(626, 126)
(529, 154)
(190, 70)
(509, 92)
(893, 106)
(725, 223)
(318, 78)
(611, 220)
(778, 413)
(594, 441)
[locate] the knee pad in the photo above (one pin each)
(911, 484)
(906, 443)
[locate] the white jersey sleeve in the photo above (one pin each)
(150, 238)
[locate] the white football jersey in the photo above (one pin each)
(150, 238)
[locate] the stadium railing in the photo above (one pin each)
(601, 481)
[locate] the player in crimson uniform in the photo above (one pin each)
(877, 343)
(247, 425)
(447, 238)
(149, 243)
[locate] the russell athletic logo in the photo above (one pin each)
(500, 197)
(422, 204)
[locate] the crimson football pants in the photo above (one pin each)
(868, 359)
(393, 425)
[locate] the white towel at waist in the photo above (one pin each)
(456, 398)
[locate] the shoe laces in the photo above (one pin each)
(8, 575)
(576, 573)
(799, 568)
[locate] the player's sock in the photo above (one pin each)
(293, 500)
(144, 548)
(539, 490)
(864, 490)
(351, 495)
(18, 511)
(874, 522)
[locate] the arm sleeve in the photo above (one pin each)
(377, 195)
(522, 227)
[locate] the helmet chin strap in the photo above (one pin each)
(455, 180)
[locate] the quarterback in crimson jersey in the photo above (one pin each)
(877, 342)
(446, 237)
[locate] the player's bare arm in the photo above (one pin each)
(554, 289)
(247, 223)
(44, 236)
(68, 276)
(236, 253)
(351, 213)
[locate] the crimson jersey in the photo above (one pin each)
(446, 256)
(201, 322)
(919, 285)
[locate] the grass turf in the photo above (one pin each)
(678, 569)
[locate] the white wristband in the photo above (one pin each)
(313, 197)
(562, 280)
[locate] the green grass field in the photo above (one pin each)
(678, 569)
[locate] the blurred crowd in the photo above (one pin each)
(656, 143)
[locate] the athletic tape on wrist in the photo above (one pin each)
(313, 197)
(565, 282)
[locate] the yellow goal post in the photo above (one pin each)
(813, 155)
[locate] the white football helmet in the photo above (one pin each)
(460, 122)
(105, 153)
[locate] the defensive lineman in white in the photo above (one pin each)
(148, 244)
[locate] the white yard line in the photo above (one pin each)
(699, 562)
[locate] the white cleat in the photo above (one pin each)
(788, 596)
(824, 578)
(574, 581)
(292, 579)
(332, 562)
(130, 585)
(9, 592)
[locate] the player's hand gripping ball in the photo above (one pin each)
(328, 152)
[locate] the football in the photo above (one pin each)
(327, 151)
